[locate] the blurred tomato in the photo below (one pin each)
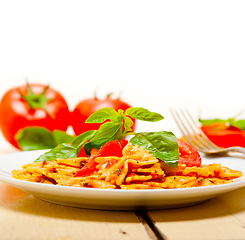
(227, 136)
(32, 105)
(88, 106)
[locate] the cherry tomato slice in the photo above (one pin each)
(188, 154)
(112, 148)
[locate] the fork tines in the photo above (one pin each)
(192, 132)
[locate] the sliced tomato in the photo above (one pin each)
(188, 155)
(124, 142)
(112, 148)
(88, 169)
(82, 153)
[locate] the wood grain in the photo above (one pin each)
(220, 218)
(22, 216)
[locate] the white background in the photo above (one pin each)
(156, 53)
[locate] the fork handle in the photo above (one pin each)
(236, 149)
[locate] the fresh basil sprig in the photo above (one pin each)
(118, 125)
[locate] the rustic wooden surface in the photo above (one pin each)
(22, 216)
(222, 217)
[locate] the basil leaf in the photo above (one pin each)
(128, 123)
(230, 122)
(83, 138)
(212, 121)
(143, 114)
(239, 124)
(62, 151)
(107, 132)
(102, 115)
(34, 138)
(65, 151)
(62, 137)
(162, 144)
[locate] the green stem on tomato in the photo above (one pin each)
(36, 101)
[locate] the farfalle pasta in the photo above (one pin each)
(136, 169)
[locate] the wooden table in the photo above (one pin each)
(24, 217)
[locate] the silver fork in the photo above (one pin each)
(196, 137)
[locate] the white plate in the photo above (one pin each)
(118, 199)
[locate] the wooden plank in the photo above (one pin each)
(235, 204)
(22, 216)
(220, 218)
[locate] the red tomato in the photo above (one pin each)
(188, 154)
(47, 108)
(112, 148)
(225, 137)
(86, 107)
